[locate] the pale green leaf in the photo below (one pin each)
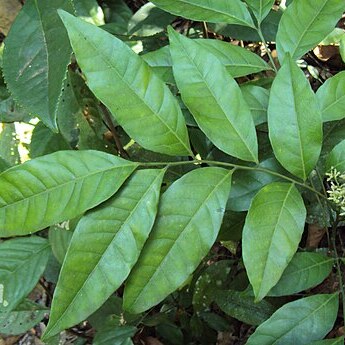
(260, 8)
(90, 11)
(56, 187)
(242, 307)
(272, 231)
(224, 117)
(187, 225)
(304, 271)
(139, 100)
(298, 322)
(331, 97)
(36, 56)
(22, 262)
(336, 158)
(293, 113)
(22, 318)
(115, 336)
(334, 341)
(306, 23)
(209, 11)
(104, 248)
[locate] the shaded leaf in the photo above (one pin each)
(304, 271)
(104, 248)
(115, 336)
(260, 8)
(288, 325)
(187, 224)
(60, 236)
(224, 117)
(331, 97)
(204, 10)
(335, 341)
(242, 307)
(293, 113)
(36, 56)
(271, 234)
(90, 11)
(140, 101)
(50, 189)
(117, 14)
(306, 23)
(336, 158)
(22, 262)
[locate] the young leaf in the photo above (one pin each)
(104, 248)
(50, 189)
(22, 318)
(209, 11)
(138, 99)
(224, 117)
(293, 113)
(304, 271)
(36, 56)
(271, 234)
(260, 8)
(187, 225)
(306, 23)
(336, 158)
(242, 307)
(298, 322)
(22, 262)
(331, 97)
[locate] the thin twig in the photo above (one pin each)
(204, 29)
(268, 50)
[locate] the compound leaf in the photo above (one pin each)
(271, 234)
(223, 116)
(187, 225)
(36, 56)
(57, 187)
(293, 113)
(104, 248)
(139, 100)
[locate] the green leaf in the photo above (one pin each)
(257, 99)
(115, 336)
(293, 113)
(306, 23)
(36, 56)
(22, 262)
(9, 144)
(209, 11)
(331, 97)
(242, 307)
(104, 248)
(187, 224)
(60, 237)
(117, 14)
(90, 11)
(260, 8)
(336, 158)
(298, 322)
(335, 341)
(22, 318)
(271, 234)
(139, 100)
(50, 189)
(11, 112)
(304, 271)
(4, 165)
(224, 117)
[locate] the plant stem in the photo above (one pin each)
(234, 166)
(268, 50)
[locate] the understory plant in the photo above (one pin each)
(176, 179)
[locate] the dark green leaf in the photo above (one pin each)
(336, 158)
(242, 307)
(187, 224)
(22, 318)
(298, 322)
(306, 23)
(11, 112)
(22, 262)
(117, 14)
(36, 56)
(9, 144)
(57, 187)
(331, 97)
(304, 271)
(335, 341)
(232, 226)
(213, 12)
(260, 8)
(293, 113)
(224, 117)
(271, 234)
(104, 248)
(139, 100)
(115, 336)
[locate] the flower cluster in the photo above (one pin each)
(337, 191)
